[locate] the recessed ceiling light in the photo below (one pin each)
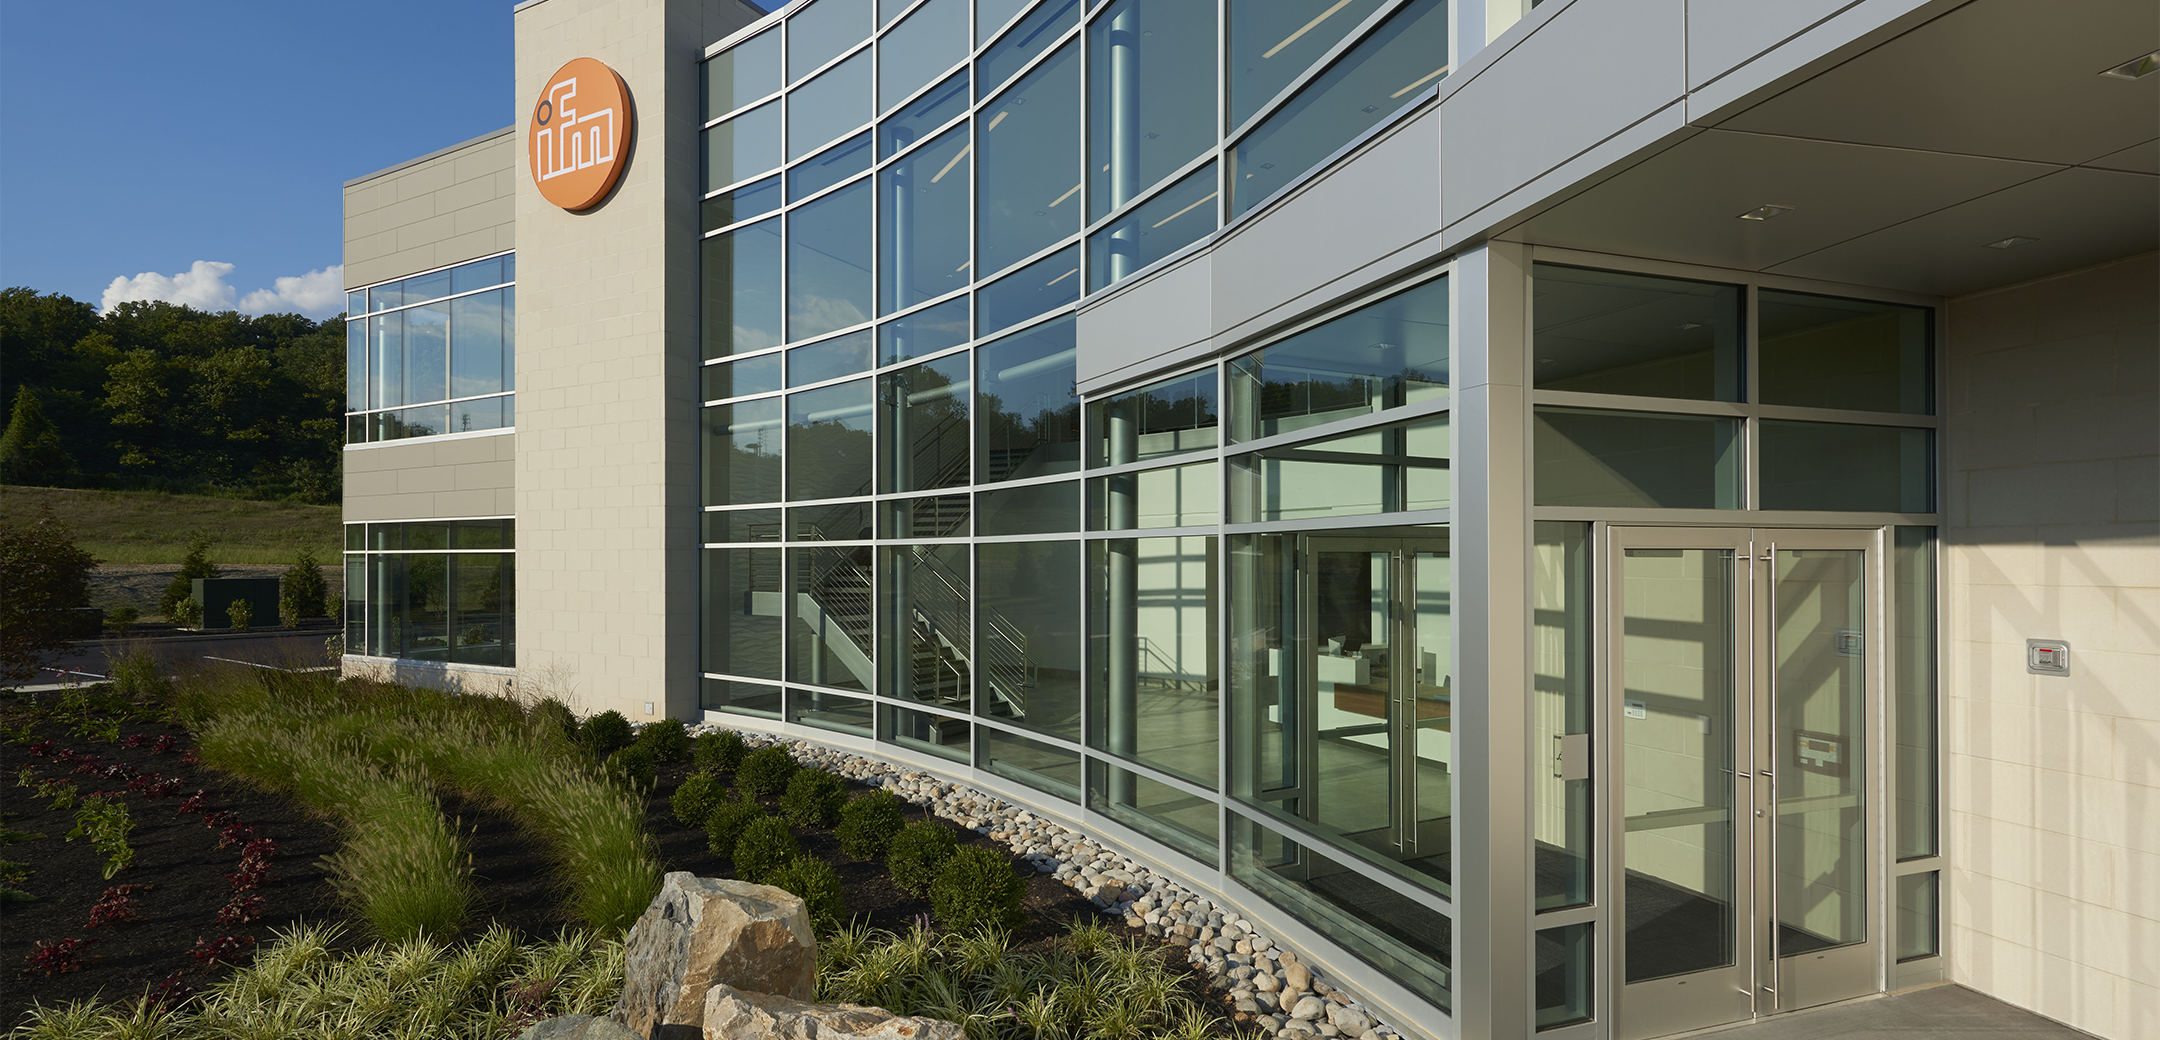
(1766, 212)
(2013, 242)
(2136, 68)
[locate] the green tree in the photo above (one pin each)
(46, 577)
(30, 450)
(196, 564)
(302, 594)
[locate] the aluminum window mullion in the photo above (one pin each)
(1149, 193)
(1350, 857)
(1314, 71)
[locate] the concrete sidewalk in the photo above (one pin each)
(1947, 1012)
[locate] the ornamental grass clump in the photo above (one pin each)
(724, 824)
(765, 772)
(813, 798)
(765, 846)
(916, 854)
(718, 753)
(819, 886)
(976, 889)
(869, 824)
(695, 798)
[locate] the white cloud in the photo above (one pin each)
(202, 286)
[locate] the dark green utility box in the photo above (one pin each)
(215, 596)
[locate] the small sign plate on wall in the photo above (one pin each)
(2047, 657)
(1635, 709)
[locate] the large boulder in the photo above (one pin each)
(578, 1027)
(734, 1014)
(700, 932)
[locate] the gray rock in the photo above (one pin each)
(578, 1027)
(732, 1014)
(1295, 975)
(1266, 1000)
(700, 932)
(1349, 1020)
(1249, 1006)
(1271, 1023)
(1266, 982)
(1308, 1009)
(1326, 1029)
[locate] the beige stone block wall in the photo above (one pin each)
(452, 205)
(425, 478)
(2052, 450)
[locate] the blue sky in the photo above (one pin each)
(169, 138)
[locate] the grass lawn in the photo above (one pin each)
(154, 527)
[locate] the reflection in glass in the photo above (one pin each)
(739, 698)
(924, 617)
(1042, 27)
(1028, 186)
(1883, 469)
(486, 413)
(742, 452)
(752, 375)
(1027, 642)
(940, 735)
(1163, 225)
(1151, 96)
(743, 525)
(829, 521)
(1384, 355)
(1912, 601)
(1384, 470)
(924, 332)
(1151, 653)
(828, 285)
(830, 711)
(1599, 458)
(742, 290)
(1406, 939)
(424, 287)
(1826, 352)
(1185, 822)
(741, 74)
(1270, 44)
(1172, 496)
(427, 421)
(1820, 675)
(821, 31)
(931, 516)
(829, 359)
(1406, 54)
(476, 344)
(925, 429)
(427, 353)
(925, 114)
(1606, 332)
(1030, 410)
(752, 200)
(1173, 417)
(742, 612)
(1029, 509)
(1560, 658)
(1919, 915)
(828, 442)
(837, 164)
(741, 148)
(1044, 767)
(828, 634)
(837, 101)
(923, 226)
(1565, 957)
(929, 42)
(477, 275)
(1045, 285)
(356, 365)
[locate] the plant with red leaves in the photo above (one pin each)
(191, 758)
(136, 740)
(87, 764)
(226, 949)
(165, 788)
(192, 804)
(117, 905)
(235, 834)
(220, 820)
(56, 958)
(143, 783)
(257, 854)
(64, 755)
(244, 908)
(117, 771)
(42, 749)
(160, 746)
(170, 993)
(252, 877)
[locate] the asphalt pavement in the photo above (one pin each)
(90, 661)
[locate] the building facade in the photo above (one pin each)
(1586, 519)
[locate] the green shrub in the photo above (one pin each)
(819, 886)
(632, 767)
(302, 593)
(718, 753)
(122, 618)
(765, 772)
(196, 564)
(556, 717)
(813, 798)
(605, 733)
(668, 739)
(695, 798)
(766, 844)
(241, 613)
(916, 854)
(138, 673)
(724, 824)
(976, 889)
(868, 825)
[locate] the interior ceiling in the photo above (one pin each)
(1902, 163)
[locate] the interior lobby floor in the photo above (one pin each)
(1937, 1013)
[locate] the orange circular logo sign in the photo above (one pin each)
(579, 135)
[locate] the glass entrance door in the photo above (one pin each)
(1740, 670)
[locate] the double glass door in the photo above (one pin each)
(1743, 685)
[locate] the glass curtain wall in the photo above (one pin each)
(432, 354)
(441, 591)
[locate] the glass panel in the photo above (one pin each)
(940, 735)
(742, 290)
(935, 516)
(739, 698)
(1186, 822)
(751, 375)
(830, 711)
(509, 334)
(355, 536)
(1819, 686)
(1604, 332)
(1151, 96)
(427, 535)
(925, 619)
(356, 609)
(829, 263)
(829, 521)
(991, 15)
(887, 10)
(1029, 509)
(741, 148)
(1565, 957)
(1174, 496)
(1028, 635)
(1885, 469)
(1041, 766)
(925, 432)
(1045, 285)
(386, 296)
(742, 612)
(829, 634)
(1404, 938)
(356, 366)
(1173, 417)
(1030, 412)
(480, 608)
(479, 534)
(1919, 913)
(1402, 57)
(1151, 653)
(925, 114)
(1599, 458)
(742, 452)
(1028, 165)
(425, 624)
(1677, 745)
(743, 525)
(821, 31)
(356, 429)
(1825, 352)
(1271, 43)
(424, 287)
(386, 348)
(429, 421)
(1912, 603)
(476, 344)
(754, 200)
(1042, 27)
(928, 43)
(836, 164)
(828, 442)
(924, 332)
(427, 352)
(1165, 224)
(829, 359)
(1384, 355)
(826, 107)
(484, 413)
(355, 303)
(476, 275)
(1561, 796)
(741, 74)
(923, 226)
(1384, 470)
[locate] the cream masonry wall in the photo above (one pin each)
(607, 478)
(457, 476)
(451, 205)
(2052, 478)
